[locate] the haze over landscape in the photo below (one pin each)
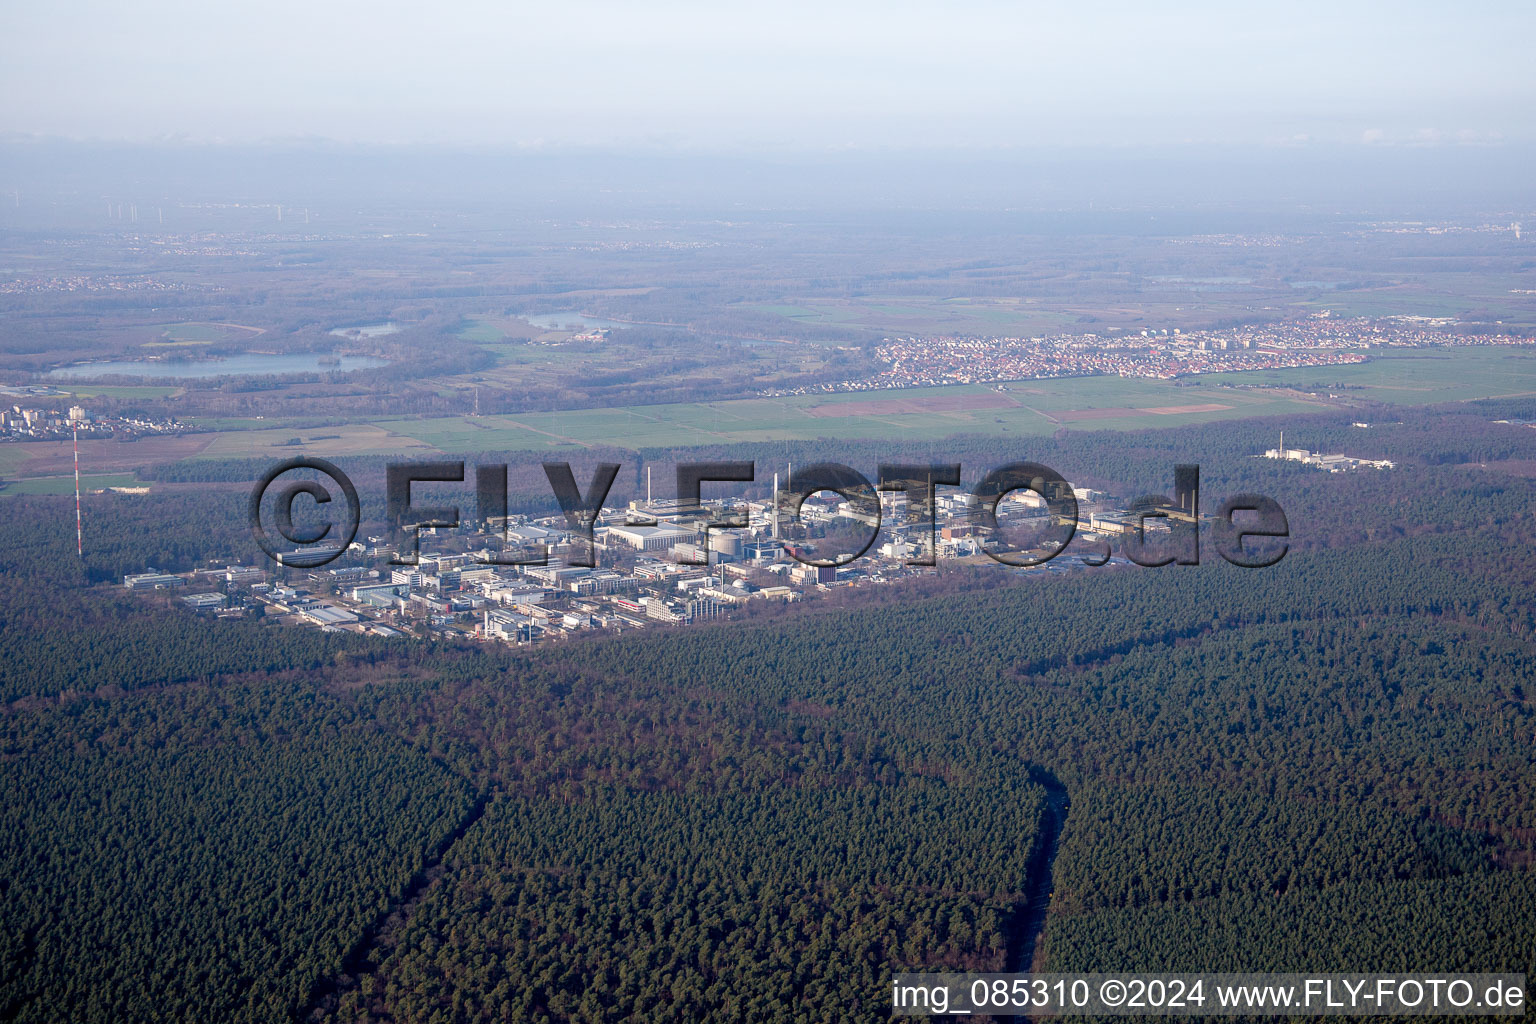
(797, 76)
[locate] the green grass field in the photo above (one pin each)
(1022, 408)
(11, 456)
(1032, 408)
(1487, 298)
(950, 314)
(246, 423)
(482, 332)
(353, 439)
(126, 391)
(198, 333)
(1428, 293)
(1412, 377)
(66, 484)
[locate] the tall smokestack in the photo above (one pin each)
(775, 506)
(1186, 488)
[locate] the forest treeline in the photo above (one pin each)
(1321, 766)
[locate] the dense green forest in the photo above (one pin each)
(205, 882)
(1321, 766)
(773, 904)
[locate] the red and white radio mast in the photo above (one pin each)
(79, 533)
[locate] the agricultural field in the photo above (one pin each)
(353, 439)
(1128, 302)
(932, 315)
(494, 331)
(1482, 297)
(66, 484)
(204, 333)
(1417, 377)
(1024, 408)
(97, 455)
(482, 332)
(12, 456)
(126, 391)
(1019, 408)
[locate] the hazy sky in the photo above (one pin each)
(772, 75)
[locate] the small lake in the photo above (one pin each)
(243, 366)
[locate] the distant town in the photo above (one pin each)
(19, 423)
(1155, 353)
